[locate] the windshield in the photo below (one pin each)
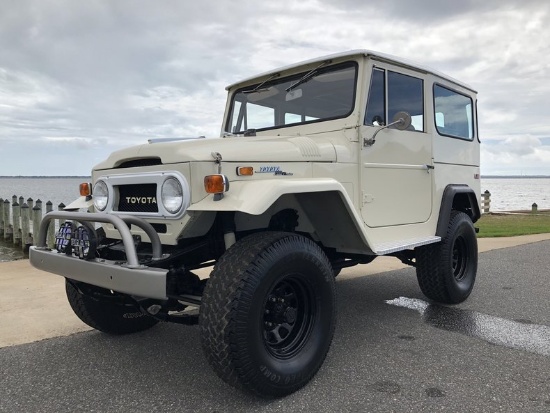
(311, 96)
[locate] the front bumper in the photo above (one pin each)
(127, 277)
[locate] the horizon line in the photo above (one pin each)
(89, 176)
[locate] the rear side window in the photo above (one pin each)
(453, 113)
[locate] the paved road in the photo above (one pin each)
(490, 354)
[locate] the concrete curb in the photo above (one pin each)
(34, 306)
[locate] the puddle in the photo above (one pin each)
(518, 335)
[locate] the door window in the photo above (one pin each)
(402, 93)
(376, 106)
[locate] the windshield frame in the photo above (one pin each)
(283, 82)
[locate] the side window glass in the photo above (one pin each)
(235, 115)
(453, 113)
(405, 93)
(376, 104)
(292, 118)
(260, 116)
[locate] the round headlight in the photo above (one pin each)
(100, 195)
(172, 195)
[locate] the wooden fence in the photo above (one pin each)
(20, 221)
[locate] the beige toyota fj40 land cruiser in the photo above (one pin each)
(321, 165)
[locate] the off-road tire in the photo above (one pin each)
(112, 315)
(446, 271)
(268, 313)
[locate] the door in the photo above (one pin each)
(397, 168)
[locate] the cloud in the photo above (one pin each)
(516, 155)
(75, 142)
(102, 75)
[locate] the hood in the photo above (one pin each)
(234, 149)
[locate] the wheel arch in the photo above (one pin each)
(328, 209)
(457, 197)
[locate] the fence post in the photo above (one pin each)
(16, 223)
(486, 201)
(36, 219)
(2, 216)
(25, 228)
(7, 228)
(30, 204)
(51, 227)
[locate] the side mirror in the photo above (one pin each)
(401, 121)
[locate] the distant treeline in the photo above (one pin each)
(514, 176)
(87, 177)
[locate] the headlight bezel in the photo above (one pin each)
(158, 178)
(178, 199)
(101, 204)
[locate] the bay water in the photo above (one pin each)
(507, 194)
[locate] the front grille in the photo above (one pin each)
(159, 228)
(137, 198)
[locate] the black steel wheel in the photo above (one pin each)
(267, 316)
(446, 271)
(289, 315)
(460, 258)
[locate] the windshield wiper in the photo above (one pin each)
(257, 88)
(307, 76)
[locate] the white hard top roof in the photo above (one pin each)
(360, 52)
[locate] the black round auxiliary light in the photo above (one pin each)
(63, 237)
(84, 242)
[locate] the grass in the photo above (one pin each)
(509, 225)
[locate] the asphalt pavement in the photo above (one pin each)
(393, 351)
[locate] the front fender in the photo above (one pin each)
(325, 201)
(79, 203)
(255, 197)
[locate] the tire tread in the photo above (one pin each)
(234, 278)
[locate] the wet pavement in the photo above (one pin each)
(521, 334)
(393, 351)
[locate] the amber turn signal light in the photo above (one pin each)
(85, 189)
(216, 184)
(245, 171)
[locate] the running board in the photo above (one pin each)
(389, 247)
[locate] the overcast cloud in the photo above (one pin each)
(81, 79)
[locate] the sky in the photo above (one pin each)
(79, 80)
